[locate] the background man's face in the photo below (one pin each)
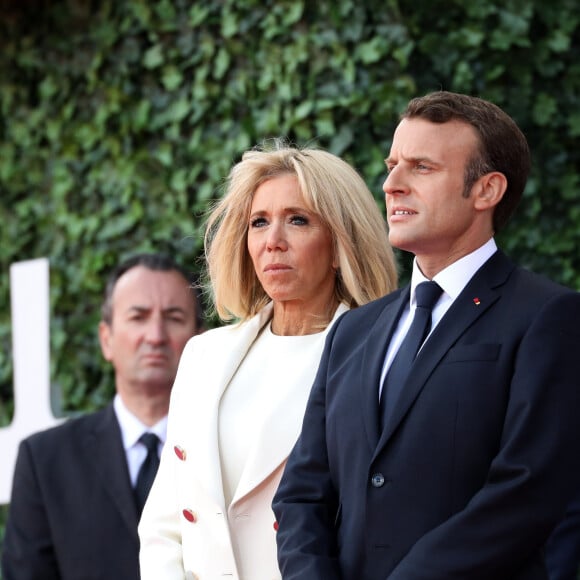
(152, 318)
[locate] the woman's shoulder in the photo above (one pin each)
(230, 332)
(217, 334)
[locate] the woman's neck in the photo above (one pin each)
(296, 319)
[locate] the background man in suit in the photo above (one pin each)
(74, 511)
(477, 454)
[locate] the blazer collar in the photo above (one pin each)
(226, 348)
(242, 337)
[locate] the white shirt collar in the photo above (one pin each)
(455, 277)
(132, 428)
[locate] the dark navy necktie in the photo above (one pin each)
(426, 294)
(147, 471)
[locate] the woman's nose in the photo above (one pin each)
(276, 239)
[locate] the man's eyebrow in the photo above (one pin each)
(138, 308)
(415, 160)
(144, 309)
(173, 310)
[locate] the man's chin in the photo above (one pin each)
(157, 378)
(401, 243)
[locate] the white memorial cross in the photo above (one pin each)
(30, 305)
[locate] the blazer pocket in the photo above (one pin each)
(473, 352)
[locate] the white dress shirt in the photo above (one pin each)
(131, 430)
(452, 281)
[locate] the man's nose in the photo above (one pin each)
(395, 183)
(156, 331)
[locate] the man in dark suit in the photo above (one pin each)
(476, 456)
(74, 510)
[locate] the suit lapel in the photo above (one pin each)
(106, 456)
(477, 297)
(373, 360)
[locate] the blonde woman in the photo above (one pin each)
(296, 241)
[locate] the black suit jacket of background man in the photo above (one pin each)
(72, 514)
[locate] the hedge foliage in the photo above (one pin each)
(119, 120)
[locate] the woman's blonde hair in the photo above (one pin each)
(334, 191)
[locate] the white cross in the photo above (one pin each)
(30, 302)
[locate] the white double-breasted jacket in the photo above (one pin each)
(186, 530)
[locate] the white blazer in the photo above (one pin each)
(186, 530)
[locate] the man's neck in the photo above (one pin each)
(149, 409)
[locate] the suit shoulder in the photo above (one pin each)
(541, 282)
(66, 431)
(538, 290)
(371, 309)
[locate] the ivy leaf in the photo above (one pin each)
(153, 57)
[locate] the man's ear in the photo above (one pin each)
(489, 190)
(105, 340)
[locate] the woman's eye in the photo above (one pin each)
(298, 220)
(258, 222)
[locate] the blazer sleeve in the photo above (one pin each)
(306, 504)
(536, 467)
(28, 551)
(161, 549)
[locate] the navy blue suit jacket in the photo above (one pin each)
(563, 546)
(72, 514)
(478, 460)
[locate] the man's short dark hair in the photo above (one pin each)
(502, 145)
(156, 262)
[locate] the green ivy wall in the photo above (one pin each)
(119, 120)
